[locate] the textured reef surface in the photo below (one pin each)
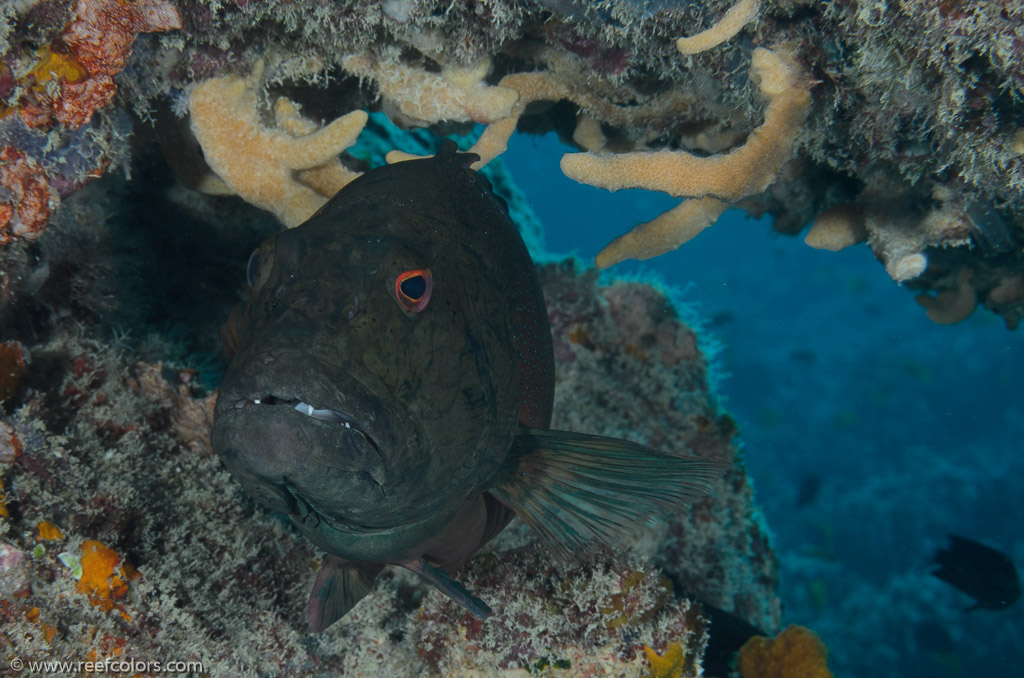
(894, 124)
(123, 537)
(146, 146)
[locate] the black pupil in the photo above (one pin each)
(414, 287)
(252, 269)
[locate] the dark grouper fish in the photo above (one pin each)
(392, 384)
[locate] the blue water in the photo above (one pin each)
(913, 429)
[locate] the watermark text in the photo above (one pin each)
(110, 665)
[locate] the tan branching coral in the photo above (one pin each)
(264, 165)
(550, 85)
(731, 176)
(903, 267)
(588, 134)
(1007, 299)
(566, 78)
(837, 228)
(569, 76)
(327, 178)
(491, 143)
(731, 23)
(528, 87)
(665, 232)
(954, 305)
(416, 98)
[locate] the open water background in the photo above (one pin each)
(836, 377)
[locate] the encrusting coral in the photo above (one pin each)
(102, 576)
(31, 199)
(74, 77)
(62, 84)
(671, 664)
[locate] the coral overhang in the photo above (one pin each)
(914, 127)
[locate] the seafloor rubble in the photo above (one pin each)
(898, 124)
(122, 536)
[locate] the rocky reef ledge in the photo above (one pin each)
(123, 538)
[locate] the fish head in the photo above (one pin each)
(372, 391)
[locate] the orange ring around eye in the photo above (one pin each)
(414, 304)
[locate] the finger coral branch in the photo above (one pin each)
(327, 177)
(1007, 299)
(260, 163)
(457, 94)
(564, 79)
(528, 87)
(837, 228)
(951, 306)
(588, 134)
(742, 172)
(667, 231)
(731, 23)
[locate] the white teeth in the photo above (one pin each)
(325, 414)
(305, 408)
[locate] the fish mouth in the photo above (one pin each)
(302, 407)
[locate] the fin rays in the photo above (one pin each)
(339, 585)
(583, 492)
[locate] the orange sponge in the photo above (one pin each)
(797, 652)
(102, 579)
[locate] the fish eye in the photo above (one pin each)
(252, 269)
(413, 288)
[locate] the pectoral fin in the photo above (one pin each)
(339, 585)
(582, 492)
(447, 585)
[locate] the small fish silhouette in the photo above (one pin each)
(982, 572)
